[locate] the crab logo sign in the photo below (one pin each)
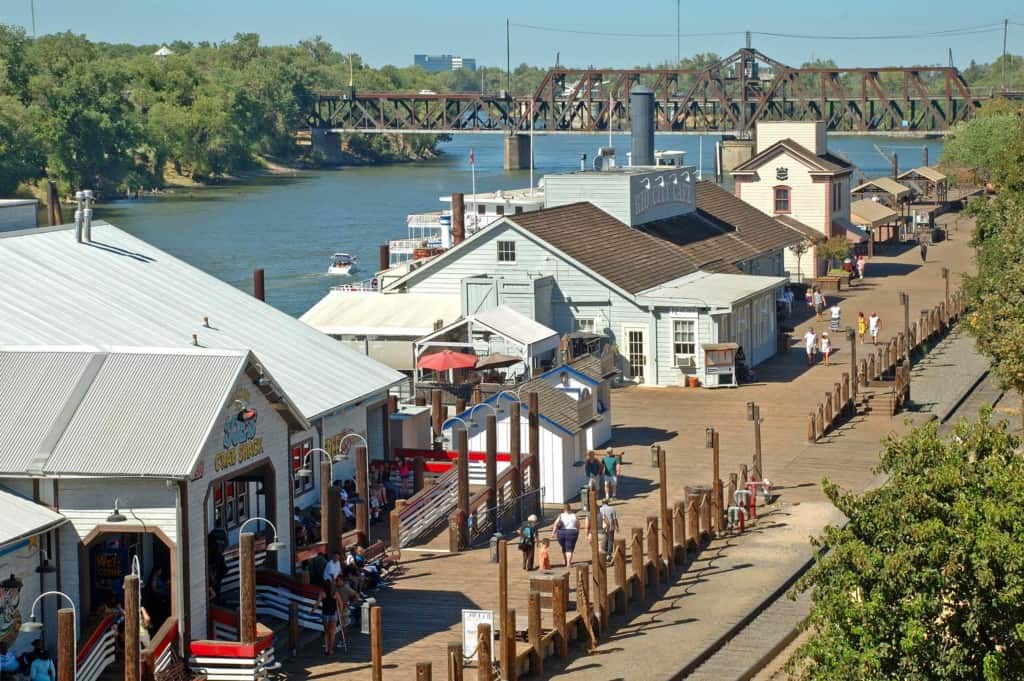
(10, 614)
(782, 173)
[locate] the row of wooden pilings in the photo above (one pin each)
(889, 362)
(643, 561)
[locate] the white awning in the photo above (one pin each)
(713, 290)
(520, 328)
(21, 518)
(370, 313)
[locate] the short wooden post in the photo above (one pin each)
(462, 493)
(377, 644)
(653, 555)
(828, 409)
(559, 597)
(515, 451)
(716, 486)
(705, 518)
(862, 375)
(846, 391)
(363, 490)
(66, 645)
(506, 633)
(419, 471)
(880, 364)
(667, 545)
(455, 663)
(534, 634)
(838, 404)
(508, 646)
(619, 559)
(293, 628)
(583, 602)
(819, 426)
(692, 522)
(423, 671)
(491, 468)
(812, 430)
(247, 587)
(730, 491)
(678, 533)
(871, 373)
(396, 529)
(131, 627)
(637, 558)
(436, 411)
(484, 668)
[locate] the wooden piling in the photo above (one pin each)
(583, 602)
(491, 468)
(619, 561)
(376, 644)
(503, 608)
(508, 647)
(819, 426)
(692, 522)
(437, 411)
(455, 663)
(846, 392)
(653, 555)
(131, 627)
(462, 494)
(533, 422)
(637, 558)
(828, 409)
(678, 534)
(812, 430)
(667, 545)
(247, 587)
(515, 450)
(535, 634)
(66, 645)
(559, 599)
(706, 531)
(484, 667)
(423, 671)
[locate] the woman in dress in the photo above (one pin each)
(862, 326)
(826, 347)
(566, 531)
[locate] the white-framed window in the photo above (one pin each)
(230, 504)
(684, 337)
(506, 251)
(586, 324)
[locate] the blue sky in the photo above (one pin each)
(392, 30)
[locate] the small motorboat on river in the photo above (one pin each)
(342, 263)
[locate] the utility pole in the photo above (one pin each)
(508, 57)
(1006, 24)
(679, 57)
(32, 4)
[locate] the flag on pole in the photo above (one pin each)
(472, 158)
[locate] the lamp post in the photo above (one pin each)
(476, 406)
(247, 578)
(67, 621)
(754, 414)
(362, 481)
(851, 338)
(305, 471)
(711, 442)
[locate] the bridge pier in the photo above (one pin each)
(328, 145)
(517, 151)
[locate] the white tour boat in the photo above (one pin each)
(342, 263)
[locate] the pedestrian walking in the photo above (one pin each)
(862, 326)
(528, 541)
(874, 326)
(612, 466)
(566, 531)
(330, 605)
(819, 302)
(594, 471)
(809, 297)
(811, 345)
(924, 251)
(787, 299)
(826, 346)
(861, 264)
(834, 313)
(608, 522)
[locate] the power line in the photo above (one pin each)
(605, 34)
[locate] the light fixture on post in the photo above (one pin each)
(709, 438)
(304, 469)
(274, 544)
(34, 626)
(116, 516)
(483, 404)
(45, 568)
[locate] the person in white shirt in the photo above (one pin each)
(811, 345)
(826, 346)
(874, 326)
(834, 313)
(333, 567)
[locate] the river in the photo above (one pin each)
(291, 225)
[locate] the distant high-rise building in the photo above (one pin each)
(435, 63)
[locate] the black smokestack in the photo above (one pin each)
(641, 121)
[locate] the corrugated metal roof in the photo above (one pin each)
(21, 518)
(710, 289)
(125, 412)
(121, 291)
(366, 313)
(868, 212)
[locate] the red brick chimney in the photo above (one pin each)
(458, 218)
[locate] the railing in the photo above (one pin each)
(98, 652)
(491, 511)
(275, 593)
(229, 584)
(437, 462)
(160, 653)
(428, 510)
(223, 623)
(233, 661)
(367, 285)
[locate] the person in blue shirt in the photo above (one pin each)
(42, 668)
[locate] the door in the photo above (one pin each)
(636, 352)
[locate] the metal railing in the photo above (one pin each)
(98, 652)
(275, 593)
(160, 653)
(428, 510)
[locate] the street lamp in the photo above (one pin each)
(45, 568)
(33, 626)
(483, 404)
(304, 470)
(116, 516)
(274, 545)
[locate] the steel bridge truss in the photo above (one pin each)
(729, 96)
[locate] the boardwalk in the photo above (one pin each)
(422, 613)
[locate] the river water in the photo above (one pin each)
(291, 225)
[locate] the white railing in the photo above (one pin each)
(230, 583)
(429, 510)
(367, 285)
(98, 652)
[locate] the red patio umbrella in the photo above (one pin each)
(445, 360)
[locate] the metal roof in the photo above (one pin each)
(122, 411)
(709, 289)
(370, 313)
(518, 327)
(21, 518)
(121, 291)
(927, 172)
(884, 184)
(868, 212)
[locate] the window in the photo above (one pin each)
(519, 210)
(500, 210)
(481, 209)
(684, 337)
(837, 197)
(782, 199)
(298, 454)
(585, 325)
(506, 251)
(230, 504)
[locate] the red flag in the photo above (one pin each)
(472, 159)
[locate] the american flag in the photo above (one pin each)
(472, 158)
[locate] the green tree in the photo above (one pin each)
(926, 580)
(991, 144)
(21, 158)
(834, 249)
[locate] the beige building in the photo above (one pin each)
(792, 175)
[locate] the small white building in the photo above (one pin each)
(574, 417)
(794, 177)
(18, 214)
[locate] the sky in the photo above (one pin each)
(390, 32)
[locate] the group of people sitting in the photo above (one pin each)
(34, 664)
(346, 581)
